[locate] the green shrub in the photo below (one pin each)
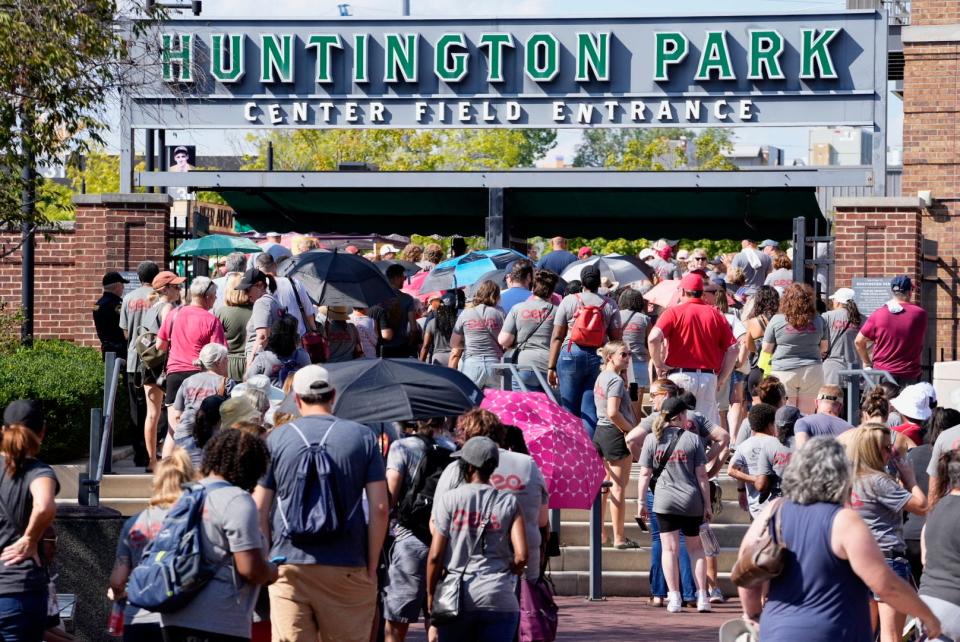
(69, 381)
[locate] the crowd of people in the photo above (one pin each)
(352, 533)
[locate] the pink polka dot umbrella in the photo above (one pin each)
(557, 442)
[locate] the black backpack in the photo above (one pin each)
(416, 504)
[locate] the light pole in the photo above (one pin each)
(405, 9)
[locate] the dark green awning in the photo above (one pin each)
(693, 212)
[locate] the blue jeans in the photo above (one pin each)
(23, 616)
(480, 626)
(475, 368)
(529, 380)
(658, 582)
(577, 370)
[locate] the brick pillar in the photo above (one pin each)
(931, 157)
(112, 232)
(876, 237)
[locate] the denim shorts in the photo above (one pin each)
(901, 568)
(641, 372)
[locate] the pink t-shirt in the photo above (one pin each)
(912, 431)
(897, 339)
(193, 328)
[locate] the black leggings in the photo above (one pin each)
(913, 556)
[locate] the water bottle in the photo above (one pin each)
(711, 547)
(115, 621)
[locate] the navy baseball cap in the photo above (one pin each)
(901, 283)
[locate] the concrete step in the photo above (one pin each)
(732, 514)
(126, 506)
(139, 485)
(621, 583)
(578, 533)
(577, 558)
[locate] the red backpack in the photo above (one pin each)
(589, 328)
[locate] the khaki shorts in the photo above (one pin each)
(311, 602)
(803, 383)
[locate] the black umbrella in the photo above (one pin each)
(338, 278)
(409, 269)
(381, 390)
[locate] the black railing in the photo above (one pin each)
(100, 459)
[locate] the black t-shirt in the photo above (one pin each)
(395, 314)
(17, 505)
(106, 319)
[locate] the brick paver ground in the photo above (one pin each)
(624, 618)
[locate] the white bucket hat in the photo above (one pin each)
(913, 402)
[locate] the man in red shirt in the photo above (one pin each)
(701, 349)
(896, 330)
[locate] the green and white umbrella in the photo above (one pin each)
(216, 245)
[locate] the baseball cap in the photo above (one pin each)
(479, 452)
(590, 276)
(584, 251)
(26, 412)
(388, 248)
(113, 277)
(647, 253)
(352, 249)
(787, 415)
(901, 283)
(166, 278)
(673, 406)
(769, 243)
(842, 295)
(236, 410)
(312, 380)
(250, 278)
(717, 260)
(739, 630)
(683, 255)
(449, 299)
(692, 282)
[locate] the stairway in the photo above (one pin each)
(625, 573)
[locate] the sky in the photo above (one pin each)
(792, 140)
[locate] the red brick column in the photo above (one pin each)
(112, 232)
(876, 237)
(931, 157)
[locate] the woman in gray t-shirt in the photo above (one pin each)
(473, 344)
(842, 324)
(528, 327)
(681, 499)
(881, 501)
(793, 345)
(480, 533)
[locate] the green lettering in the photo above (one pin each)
(324, 44)
(715, 55)
(541, 57)
(670, 48)
(593, 56)
(360, 58)
(276, 58)
(223, 46)
(443, 57)
(495, 42)
(815, 53)
(181, 57)
(765, 49)
(401, 53)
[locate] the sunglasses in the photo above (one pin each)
(699, 258)
(624, 354)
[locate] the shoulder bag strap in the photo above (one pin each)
(296, 295)
(838, 337)
(487, 513)
(662, 464)
(523, 343)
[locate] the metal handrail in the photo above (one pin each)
(872, 377)
(100, 458)
(515, 368)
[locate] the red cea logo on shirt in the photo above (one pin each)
(511, 483)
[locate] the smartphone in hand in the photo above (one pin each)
(642, 524)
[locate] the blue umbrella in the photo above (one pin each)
(466, 270)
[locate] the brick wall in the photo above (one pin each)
(931, 160)
(876, 237)
(111, 232)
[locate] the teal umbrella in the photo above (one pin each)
(216, 245)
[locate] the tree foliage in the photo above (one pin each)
(405, 149)
(656, 149)
(59, 61)
(632, 247)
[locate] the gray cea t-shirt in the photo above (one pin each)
(531, 323)
(635, 327)
(821, 425)
(488, 584)
(795, 348)
(942, 542)
(610, 384)
(266, 362)
(266, 310)
(573, 302)
(753, 457)
(225, 604)
(479, 326)
(880, 501)
(518, 474)
(755, 275)
(131, 318)
(948, 440)
(191, 394)
(841, 335)
(678, 490)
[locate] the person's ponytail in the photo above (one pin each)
(18, 443)
(658, 423)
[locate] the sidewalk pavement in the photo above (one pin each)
(630, 618)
